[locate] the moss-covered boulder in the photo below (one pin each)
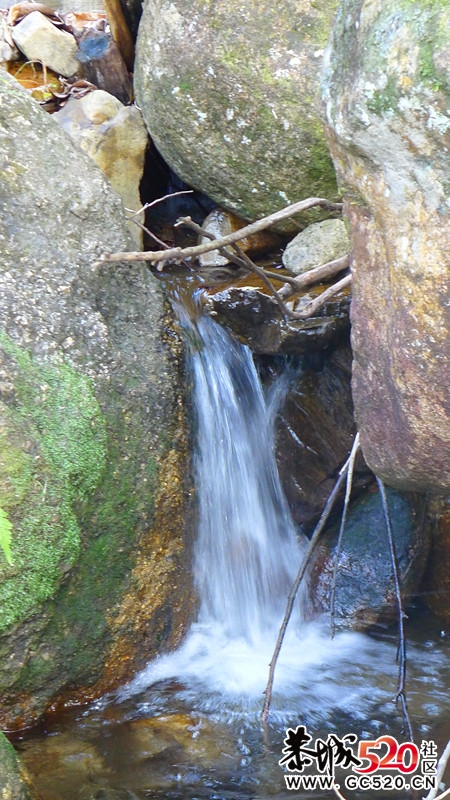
(15, 783)
(93, 465)
(387, 92)
(230, 92)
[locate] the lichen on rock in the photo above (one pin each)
(386, 87)
(231, 96)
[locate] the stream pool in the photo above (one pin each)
(166, 739)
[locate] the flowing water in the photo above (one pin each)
(189, 725)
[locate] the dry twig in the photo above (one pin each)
(348, 489)
(177, 254)
(401, 695)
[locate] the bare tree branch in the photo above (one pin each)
(313, 276)
(401, 695)
(348, 489)
(177, 254)
(290, 603)
(310, 308)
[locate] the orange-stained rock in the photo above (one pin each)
(220, 223)
(387, 99)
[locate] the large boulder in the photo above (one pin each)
(230, 92)
(93, 461)
(387, 92)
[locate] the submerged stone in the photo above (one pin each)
(230, 93)
(15, 784)
(365, 590)
(387, 92)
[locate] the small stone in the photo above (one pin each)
(39, 40)
(221, 223)
(115, 137)
(316, 245)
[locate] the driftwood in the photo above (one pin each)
(228, 247)
(177, 254)
(120, 32)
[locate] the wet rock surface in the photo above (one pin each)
(15, 783)
(255, 318)
(93, 437)
(365, 591)
(386, 88)
(232, 98)
(220, 223)
(315, 432)
(437, 585)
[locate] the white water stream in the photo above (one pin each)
(246, 559)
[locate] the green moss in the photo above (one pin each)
(58, 418)
(428, 72)
(14, 782)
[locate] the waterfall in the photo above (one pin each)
(246, 557)
(247, 552)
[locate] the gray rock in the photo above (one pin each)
(387, 92)
(41, 41)
(365, 592)
(92, 430)
(116, 138)
(315, 431)
(231, 98)
(317, 244)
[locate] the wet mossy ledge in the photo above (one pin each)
(93, 432)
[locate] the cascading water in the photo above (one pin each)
(248, 553)
(188, 727)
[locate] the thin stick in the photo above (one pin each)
(315, 275)
(290, 601)
(310, 308)
(178, 253)
(441, 767)
(337, 792)
(444, 794)
(155, 202)
(348, 490)
(401, 614)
